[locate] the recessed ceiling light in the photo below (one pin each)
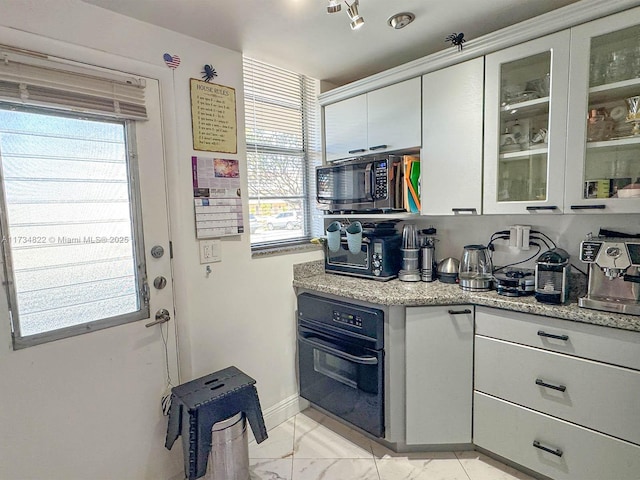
(401, 20)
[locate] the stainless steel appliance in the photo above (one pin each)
(379, 257)
(614, 275)
(448, 270)
(515, 282)
(373, 184)
(410, 271)
(552, 276)
(341, 360)
(429, 266)
(476, 269)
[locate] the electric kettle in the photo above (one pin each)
(476, 269)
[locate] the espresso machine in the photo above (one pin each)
(614, 275)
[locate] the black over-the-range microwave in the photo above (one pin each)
(361, 185)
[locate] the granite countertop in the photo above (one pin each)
(311, 276)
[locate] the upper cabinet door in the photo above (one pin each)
(451, 157)
(394, 117)
(345, 125)
(526, 91)
(383, 120)
(603, 155)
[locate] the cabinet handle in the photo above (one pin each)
(588, 207)
(542, 333)
(545, 207)
(359, 150)
(542, 383)
(466, 311)
(378, 147)
(464, 210)
(555, 451)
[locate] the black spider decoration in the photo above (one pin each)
(456, 39)
(208, 73)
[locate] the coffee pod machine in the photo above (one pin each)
(552, 276)
(614, 275)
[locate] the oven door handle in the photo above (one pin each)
(366, 360)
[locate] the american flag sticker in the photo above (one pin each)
(172, 61)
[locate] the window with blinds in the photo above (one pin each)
(282, 124)
(71, 235)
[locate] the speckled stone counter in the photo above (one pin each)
(311, 276)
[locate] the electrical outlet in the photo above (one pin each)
(519, 236)
(210, 251)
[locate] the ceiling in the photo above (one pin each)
(300, 35)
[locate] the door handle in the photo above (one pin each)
(366, 360)
(471, 211)
(162, 316)
(556, 451)
(542, 383)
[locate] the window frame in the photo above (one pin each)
(310, 158)
(135, 211)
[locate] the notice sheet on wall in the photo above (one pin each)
(217, 199)
(213, 117)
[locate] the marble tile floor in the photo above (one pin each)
(312, 446)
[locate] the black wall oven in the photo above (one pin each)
(341, 360)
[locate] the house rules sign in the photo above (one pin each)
(213, 117)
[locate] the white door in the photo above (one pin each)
(89, 406)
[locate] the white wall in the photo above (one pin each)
(243, 313)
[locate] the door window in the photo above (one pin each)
(72, 248)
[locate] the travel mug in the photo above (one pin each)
(354, 237)
(333, 236)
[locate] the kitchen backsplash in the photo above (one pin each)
(567, 231)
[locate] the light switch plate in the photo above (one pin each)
(210, 251)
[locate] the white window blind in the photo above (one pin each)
(37, 80)
(282, 125)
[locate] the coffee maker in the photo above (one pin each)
(553, 273)
(614, 275)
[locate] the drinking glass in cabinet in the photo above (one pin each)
(615, 57)
(612, 158)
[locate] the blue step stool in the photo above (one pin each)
(198, 404)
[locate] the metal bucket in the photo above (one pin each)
(229, 456)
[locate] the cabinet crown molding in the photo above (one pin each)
(551, 22)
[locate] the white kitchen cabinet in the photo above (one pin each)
(526, 89)
(603, 154)
(345, 127)
(567, 387)
(573, 452)
(383, 120)
(439, 370)
(451, 157)
(557, 397)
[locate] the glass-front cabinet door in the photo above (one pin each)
(603, 155)
(525, 126)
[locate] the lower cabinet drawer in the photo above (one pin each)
(609, 345)
(552, 447)
(596, 395)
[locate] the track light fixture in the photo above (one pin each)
(333, 6)
(356, 19)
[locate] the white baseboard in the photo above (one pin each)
(281, 412)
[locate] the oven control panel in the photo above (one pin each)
(347, 318)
